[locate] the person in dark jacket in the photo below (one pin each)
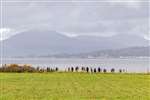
(56, 69)
(120, 70)
(77, 69)
(112, 70)
(72, 69)
(94, 70)
(99, 69)
(87, 69)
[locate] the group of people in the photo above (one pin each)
(81, 69)
(92, 70)
(48, 69)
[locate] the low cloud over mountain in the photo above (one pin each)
(44, 42)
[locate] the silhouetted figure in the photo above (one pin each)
(91, 70)
(104, 70)
(77, 69)
(56, 69)
(48, 69)
(99, 69)
(87, 69)
(112, 70)
(72, 69)
(83, 69)
(120, 70)
(94, 70)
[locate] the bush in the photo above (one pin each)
(17, 68)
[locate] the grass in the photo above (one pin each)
(74, 86)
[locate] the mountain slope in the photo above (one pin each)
(35, 42)
(124, 52)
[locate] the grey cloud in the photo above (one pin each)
(105, 18)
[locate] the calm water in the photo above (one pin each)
(131, 65)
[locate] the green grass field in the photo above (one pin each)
(74, 86)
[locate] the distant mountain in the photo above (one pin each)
(125, 52)
(44, 42)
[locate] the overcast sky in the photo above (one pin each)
(89, 17)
